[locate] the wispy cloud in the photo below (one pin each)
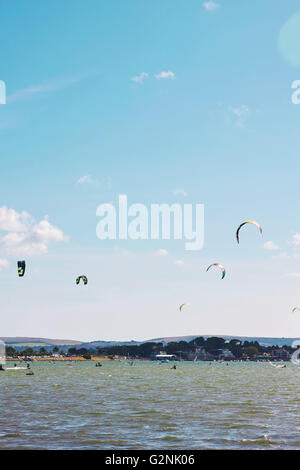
(140, 78)
(23, 236)
(180, 192)
(282, 255)
(179, 262)
(165, 75)
(46, 87)
(161, 252)
(210, 5)
(85, 180)
(271, 246)
(296, 241)
(240, 113)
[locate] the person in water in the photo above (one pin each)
(1, 367)
(174, 366)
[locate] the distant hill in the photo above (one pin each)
(108, 344)
(41, 341)
(263, 340)
(64, 344)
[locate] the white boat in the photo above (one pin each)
(277, 366)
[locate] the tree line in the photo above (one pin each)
(148, 350)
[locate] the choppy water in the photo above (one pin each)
(150, 406)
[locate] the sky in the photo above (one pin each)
(166, 102)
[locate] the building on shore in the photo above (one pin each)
(162, 356)
(281, 354)
(201, 354)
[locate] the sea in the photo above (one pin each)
(150, 405)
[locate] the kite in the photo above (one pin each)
(295, 357)
(84, 279)
(21, 268)
(247, 222)
(219, 266)
(182, 305)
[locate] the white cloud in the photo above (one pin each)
(240, 114)
(161, 252)
(293, 275)
(44, 231)
(165, 75)
(296, 240)
(12, 221)
(210, 5)
(4, 263)
(179, 262)
(85, 179)
(24, 237)
(271, 246)
(140, 78)
(181, 192)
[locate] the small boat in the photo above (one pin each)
(277, 366)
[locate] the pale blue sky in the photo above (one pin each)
(223, 130)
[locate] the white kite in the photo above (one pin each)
(183, 305)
